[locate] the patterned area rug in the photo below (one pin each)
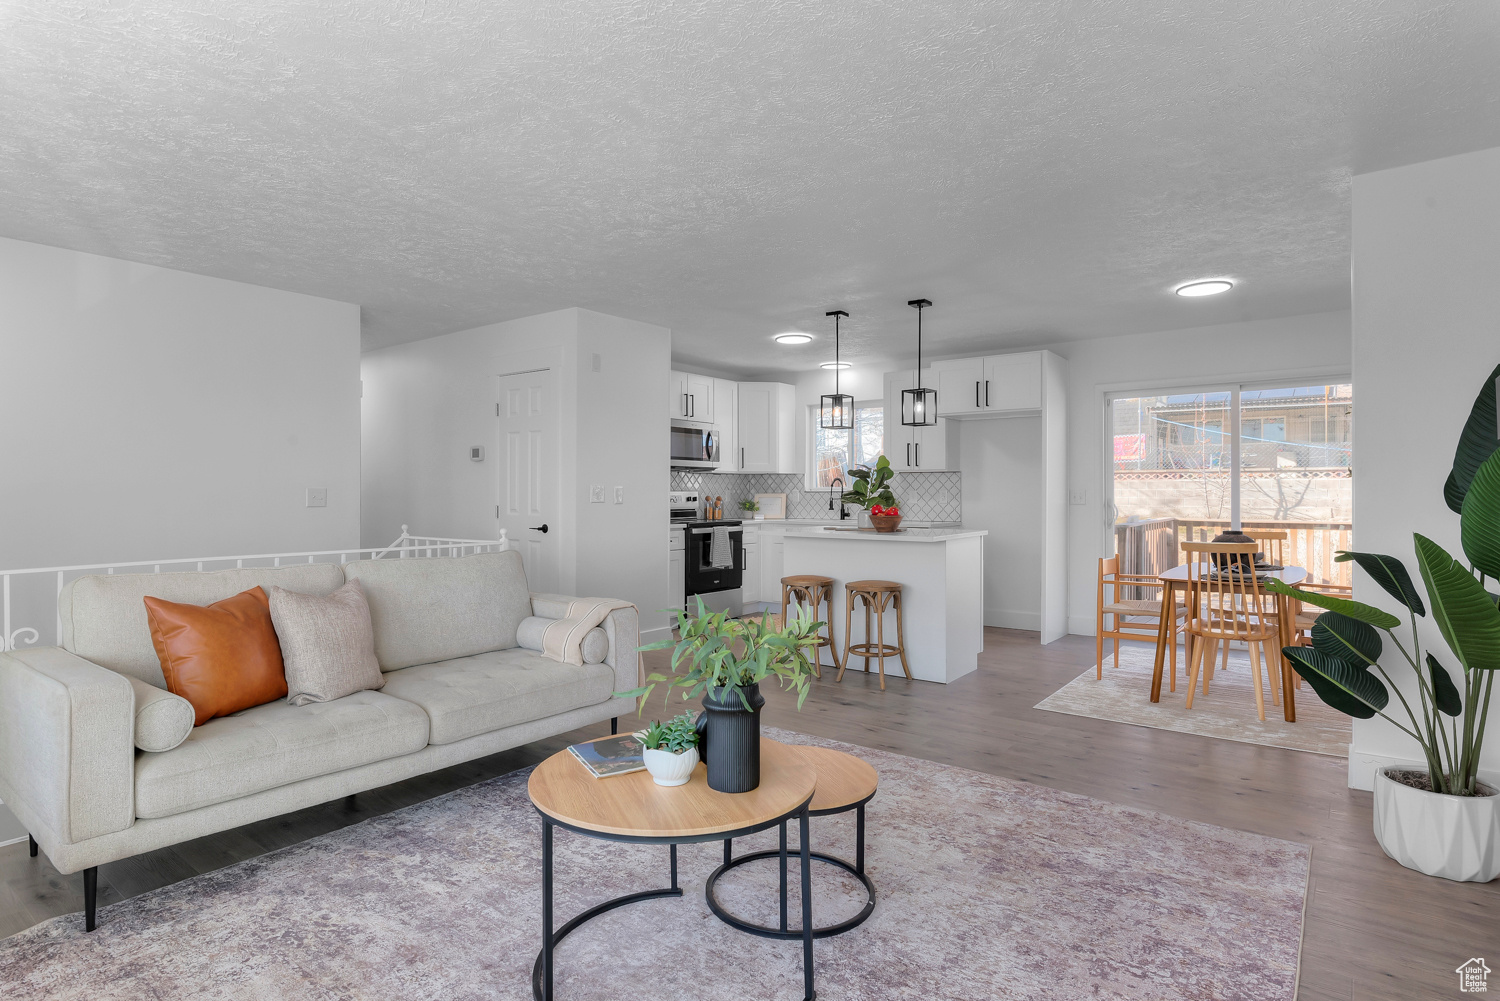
(988, 889)
(1227, 712)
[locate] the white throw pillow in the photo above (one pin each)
(529, 637)
(162, 720)
(327, 643)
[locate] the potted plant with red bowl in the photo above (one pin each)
(871, 491)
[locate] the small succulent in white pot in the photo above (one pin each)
(670, 750)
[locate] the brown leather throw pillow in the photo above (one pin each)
(222, 657)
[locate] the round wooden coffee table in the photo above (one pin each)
(634, 809)
(844, 783)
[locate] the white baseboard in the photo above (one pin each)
(1363, 765)
(1081, 625)
(1005, 619)
(655, 635)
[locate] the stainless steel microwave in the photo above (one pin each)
(694, 448)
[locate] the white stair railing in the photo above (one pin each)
(37, 589)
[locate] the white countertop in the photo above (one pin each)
(903, 535)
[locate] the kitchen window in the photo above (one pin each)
(834, 453)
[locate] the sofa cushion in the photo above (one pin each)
(533, 630)
(326, 642)
(501, 688)
(437, 608)
(223, 657)
(162, 720)
(273, 745)
(104, 618)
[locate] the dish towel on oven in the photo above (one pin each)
(562, 640)
(720, 555)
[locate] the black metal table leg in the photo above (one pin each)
(728, 849)
(674, 867)
(547, 942)
(807, 923)
(859, 834)
(783, 876)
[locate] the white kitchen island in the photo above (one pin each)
(941, 571)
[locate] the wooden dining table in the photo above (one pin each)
(1177, 578)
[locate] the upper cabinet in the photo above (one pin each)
(914, 449)
(765, 429)
(993, 386)
(726, 424)
(692, 398)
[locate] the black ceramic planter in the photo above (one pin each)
(729, 739)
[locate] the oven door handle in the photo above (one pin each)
(706, 531)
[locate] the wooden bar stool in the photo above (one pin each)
(810, 589)
(878, 595)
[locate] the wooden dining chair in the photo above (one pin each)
(1272, 544)
(1145, 612)
(1227, 604)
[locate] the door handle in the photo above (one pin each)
(908, 453)
(685, 411)
(539, 528)
(917, 448)
(986, 392)
(742, 457)
(692, 406)
(976, 394)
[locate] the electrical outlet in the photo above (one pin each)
(1078, 497)
(596, 493)
(619, 495)
(317, 496)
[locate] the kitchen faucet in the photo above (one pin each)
(843, 511)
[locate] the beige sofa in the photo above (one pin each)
(457, 687)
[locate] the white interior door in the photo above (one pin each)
(527, 502)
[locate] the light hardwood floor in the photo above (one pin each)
(1373, 929)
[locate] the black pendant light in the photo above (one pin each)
(919, 406)
(837, 411)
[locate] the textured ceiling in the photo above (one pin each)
(731, 169)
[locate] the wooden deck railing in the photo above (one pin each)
(1152, 546)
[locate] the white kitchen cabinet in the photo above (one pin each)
(960, 386)
(772, 559)
(750, 578)
(992, 386)
(765, 429)
(692, 397)
(726, 423)
(676, 579)
(913, 449)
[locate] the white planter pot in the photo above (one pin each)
(668, 769)
(1455, 837)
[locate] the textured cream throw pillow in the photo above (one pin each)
(327, 643)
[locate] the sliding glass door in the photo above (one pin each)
(1187, 464)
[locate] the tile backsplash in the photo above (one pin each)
(922, 496)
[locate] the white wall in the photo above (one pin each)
(426, 402)
(149, 412)
(1001, 462)
(1315, 345)
(1426, 334)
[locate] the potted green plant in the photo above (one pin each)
(724, 660)
(751, 507)
(671, 750)
(1443, 820)
(871, 491)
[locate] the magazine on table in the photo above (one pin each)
(612, 756)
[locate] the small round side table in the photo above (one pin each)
(844, 783)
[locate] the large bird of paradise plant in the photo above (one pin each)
(1343, 665)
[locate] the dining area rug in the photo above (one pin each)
(1227, 712)
(987, 888)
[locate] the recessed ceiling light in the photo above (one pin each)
(840, 365)
(793, 338)
(1205, 288)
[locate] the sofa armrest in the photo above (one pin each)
(622, 626)
(67, 745)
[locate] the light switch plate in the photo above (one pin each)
(619, 495)
(1079, 497)
(317, 496)
(596, 493)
